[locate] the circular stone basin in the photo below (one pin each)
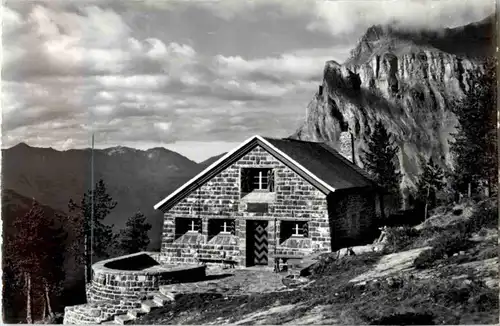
(133, 277)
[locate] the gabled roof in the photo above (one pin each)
(316, 162)
(324, 162)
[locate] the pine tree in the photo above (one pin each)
(52, 272)
(36, 255)
(380, 160)
(431, 181)
(134, 237)
(26, 244)
(81, 221)
(475, 144)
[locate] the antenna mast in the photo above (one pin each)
(92, 203)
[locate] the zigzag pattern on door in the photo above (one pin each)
(260, 243)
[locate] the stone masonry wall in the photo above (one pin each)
(97, 312)
(114, 292)
(352, 217)
(294, 199)
(129, 285)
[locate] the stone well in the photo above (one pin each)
(121, 283)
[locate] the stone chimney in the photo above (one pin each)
(346, 141)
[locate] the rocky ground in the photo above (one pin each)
(444, 271)
(233, 282)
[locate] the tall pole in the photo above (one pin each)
(92, 204)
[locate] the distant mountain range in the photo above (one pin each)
(136, 179)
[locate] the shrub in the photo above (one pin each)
(451, 241)
(486, 215)
(331, 266)
(400, 238)
(427, 258)
(448, 242)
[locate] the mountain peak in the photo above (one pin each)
(118, 150)
(21, 145)
(474, 40)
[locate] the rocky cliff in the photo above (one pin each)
(405, 78)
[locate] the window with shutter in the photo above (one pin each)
(221, 226)
(187, 225)
(257, 179)
(290, 229)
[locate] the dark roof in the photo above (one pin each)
(324, 162)
(318, 163)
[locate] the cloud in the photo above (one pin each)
(92, 41)
(305, 65)
(152, 73)
(347, 17)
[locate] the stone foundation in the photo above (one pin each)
(97, 312)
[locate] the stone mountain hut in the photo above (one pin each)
(269, 198)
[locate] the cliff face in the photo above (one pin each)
(407, 80)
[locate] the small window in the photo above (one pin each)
(293, 229)
(187, 225)
(220, 226)
(254, 179)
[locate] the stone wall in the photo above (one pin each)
(352, 217)
(97, 312)
(294, 199)
(112, 284)
(114, 291)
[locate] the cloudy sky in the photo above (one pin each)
(197, 77)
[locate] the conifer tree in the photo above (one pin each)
(27, 244)
(52, 264)
(134, 237)
(430, 182)
(36, 256)
(102, 233)
(380, 160)
(475, 144)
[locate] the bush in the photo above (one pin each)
(427, 259)
(400, 238)
(486, 215)
(451, 241)
(448, 242)
(331, 266)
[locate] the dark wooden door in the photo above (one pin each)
(257, 243)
